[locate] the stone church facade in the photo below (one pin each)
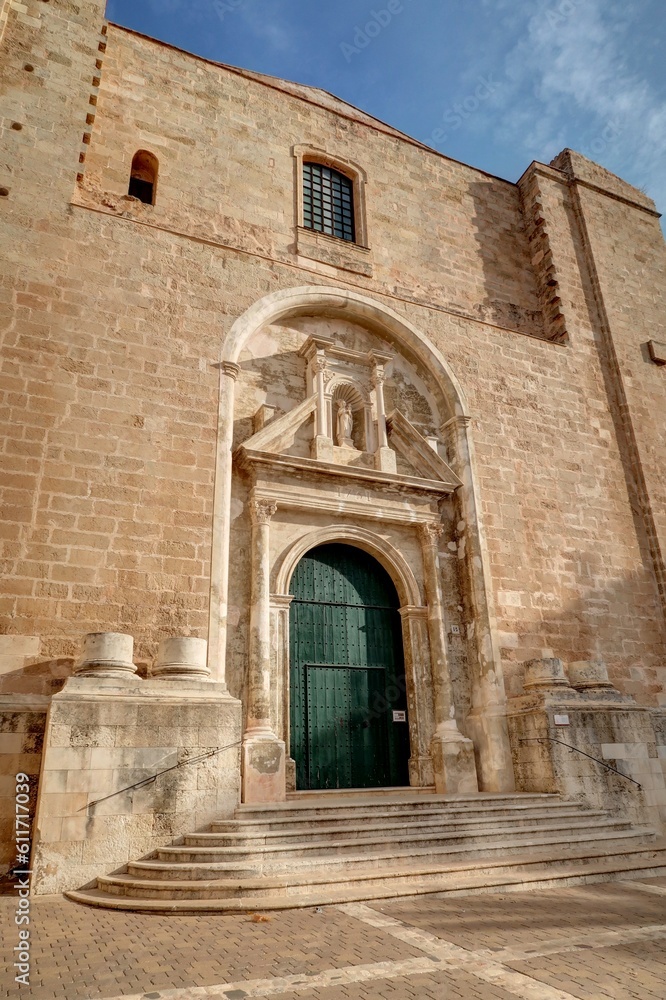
(328, 461)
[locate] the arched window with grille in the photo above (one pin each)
(328, 201)
(143, 177)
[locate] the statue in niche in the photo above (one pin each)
(345, 425)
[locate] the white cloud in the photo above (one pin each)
(267, 21)
(568, 83)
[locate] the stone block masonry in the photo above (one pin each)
(535, 303)
(104, 737)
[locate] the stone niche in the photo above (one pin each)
(578, 706)
(102, 802)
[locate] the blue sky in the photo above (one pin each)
(494, 83)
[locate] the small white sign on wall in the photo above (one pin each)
(400, 716)
(561, 720)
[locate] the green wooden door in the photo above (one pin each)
(348, 701)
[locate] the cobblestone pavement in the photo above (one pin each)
(585, 942)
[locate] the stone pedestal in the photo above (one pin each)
(322, 449)
(182, 658)
(104, 737)
(385, 460)
(589, 675)
(106, 654)
(453, 762)
(552, 717)
(545, 675)
(263, 762)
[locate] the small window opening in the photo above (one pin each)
(328, 201)
(143, 177)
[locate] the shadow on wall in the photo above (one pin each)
(619, 623)
(45, 677)
(511, 296)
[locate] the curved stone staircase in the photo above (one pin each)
(326, 847)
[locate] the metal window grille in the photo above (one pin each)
(328, 201)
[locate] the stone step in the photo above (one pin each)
(389, 803)
(381, 849)
(288, 884)
(358, 840)
(326, 828)
(350, 793)
(445, 812)
(528, 872)
(207, 865)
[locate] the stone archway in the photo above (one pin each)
(414, 627)
(348, 719)
(487, 722)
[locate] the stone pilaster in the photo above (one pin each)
(219, 567)
(419, 694)
(452, 753)
(263, 752)
(280, 604)
(487, 721)
(386, 460)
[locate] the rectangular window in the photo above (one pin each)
(328, 201)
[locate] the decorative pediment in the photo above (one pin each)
(276, 436)
(271, 446)
(341, 428)
(418, 451)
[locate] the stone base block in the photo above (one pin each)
(385, 460)
(453, 764)
(421, 774)
(263, 761)
(104, 737)
(490, 735)
(322, 449)
(290, 774)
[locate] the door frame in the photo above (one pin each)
(415, 642)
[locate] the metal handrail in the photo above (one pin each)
(551, 739)
(147, 781)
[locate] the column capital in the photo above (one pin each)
(230, 369)
(461, 421)
(431, 532)
(262, 511)
(281, 602)
(414, 611)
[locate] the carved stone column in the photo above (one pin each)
(322, 446)
(280, 604)
(219, 565)
(419, 694)
(263, 752)
(487, 721)
(385, 456)
(452, 753)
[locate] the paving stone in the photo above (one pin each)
(81, 953)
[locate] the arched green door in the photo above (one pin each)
(348, 704)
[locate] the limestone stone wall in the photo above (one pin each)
(22, 723)
(103, 738)
(113, 314)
